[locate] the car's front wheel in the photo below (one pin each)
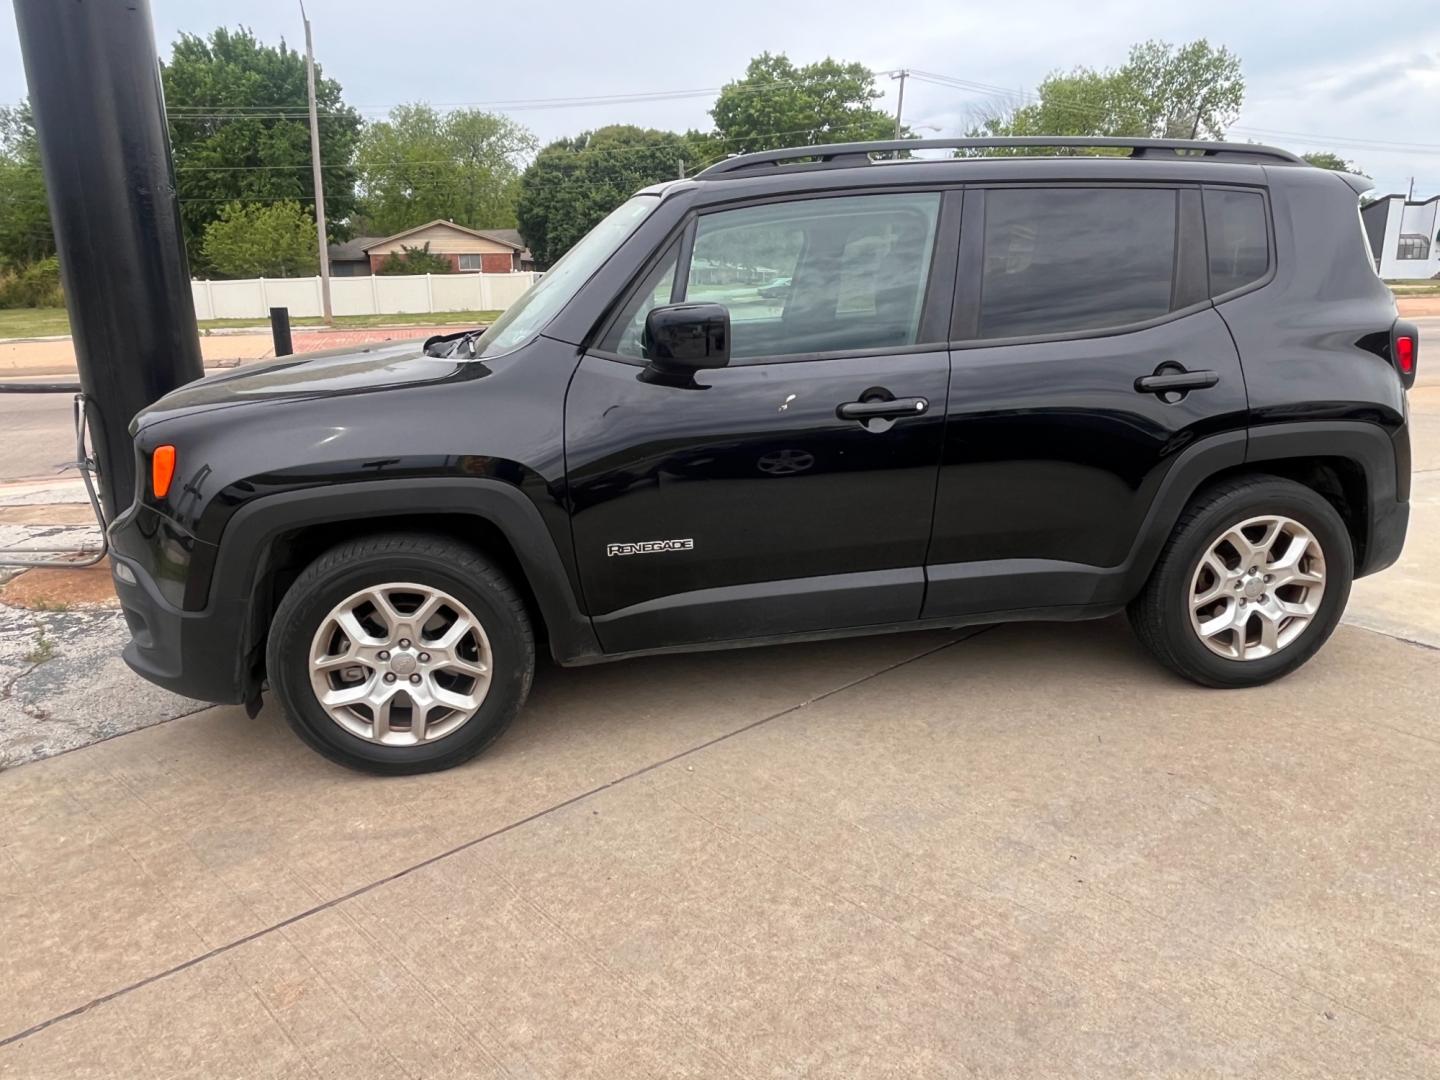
(401, 653)
(1251, 583)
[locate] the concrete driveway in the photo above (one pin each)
(1024, 852)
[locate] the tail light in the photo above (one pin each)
(1405, 351)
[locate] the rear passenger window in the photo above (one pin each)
(1059, 260)
(1236, 237)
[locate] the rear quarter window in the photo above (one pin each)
(1237, 238)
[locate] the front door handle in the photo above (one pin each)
(1176, 382)
(878, 409)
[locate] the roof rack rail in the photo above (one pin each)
(850, 155)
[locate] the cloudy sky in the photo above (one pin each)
(1361, 80)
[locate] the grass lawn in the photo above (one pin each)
(1415, 288)
(50, 322)
(33, 322)
(342, 322)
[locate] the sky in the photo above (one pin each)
(1359, 80)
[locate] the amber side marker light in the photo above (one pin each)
(162, 470)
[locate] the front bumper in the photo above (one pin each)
(198, 654)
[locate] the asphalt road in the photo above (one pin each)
(36, 436)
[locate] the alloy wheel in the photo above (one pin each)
(1257, 587)
(400, 664)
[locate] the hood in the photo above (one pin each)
(306, 375)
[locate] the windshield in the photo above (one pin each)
(548, 295)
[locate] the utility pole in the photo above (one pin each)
(902, 74)
(682, 168)
(100, 121)
(319, 175)
(1410, 196)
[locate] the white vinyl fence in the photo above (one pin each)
(376, 294)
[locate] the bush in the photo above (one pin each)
(415, 260)
(35, 286)
(273, 240)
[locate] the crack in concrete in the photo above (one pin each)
(1393, 636)
(14, 680)
(8, 690)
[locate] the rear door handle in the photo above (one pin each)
(1173, 382)
(882, 410)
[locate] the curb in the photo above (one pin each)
(25, 371)
(212, 367)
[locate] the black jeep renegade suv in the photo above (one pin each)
(993, 388)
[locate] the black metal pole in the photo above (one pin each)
(280, 331)
(105, 151)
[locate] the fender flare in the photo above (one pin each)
(252, 530)
(1369, 445)
(1384, 459)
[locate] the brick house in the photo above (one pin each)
(493, 251)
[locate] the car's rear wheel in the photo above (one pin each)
(1251, 583)
(401, 653)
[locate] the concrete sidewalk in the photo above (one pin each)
(56, 356)
(1031, 853)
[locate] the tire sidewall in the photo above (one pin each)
(307, 603)
(1283, 498)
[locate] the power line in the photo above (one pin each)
(989, 90)
(400, 164)
(1353, 141)
(428, 185)
(286, 111)
(298, 113)
(1089, 106)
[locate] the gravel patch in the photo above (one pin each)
(63, 684)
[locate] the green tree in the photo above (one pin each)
(777, 104)
(1325, 160)
(1190, 91)
(415, 260)
(25, 233)
(575, 182)
(1161, 91)
(262, 240)
(419, 165)
(240, 129)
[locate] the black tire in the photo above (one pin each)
(401, 557)
(1160, 615)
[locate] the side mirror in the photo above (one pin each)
(687, 337)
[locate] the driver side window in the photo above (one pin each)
(627, 335)
(817, 275)
(800, 277)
